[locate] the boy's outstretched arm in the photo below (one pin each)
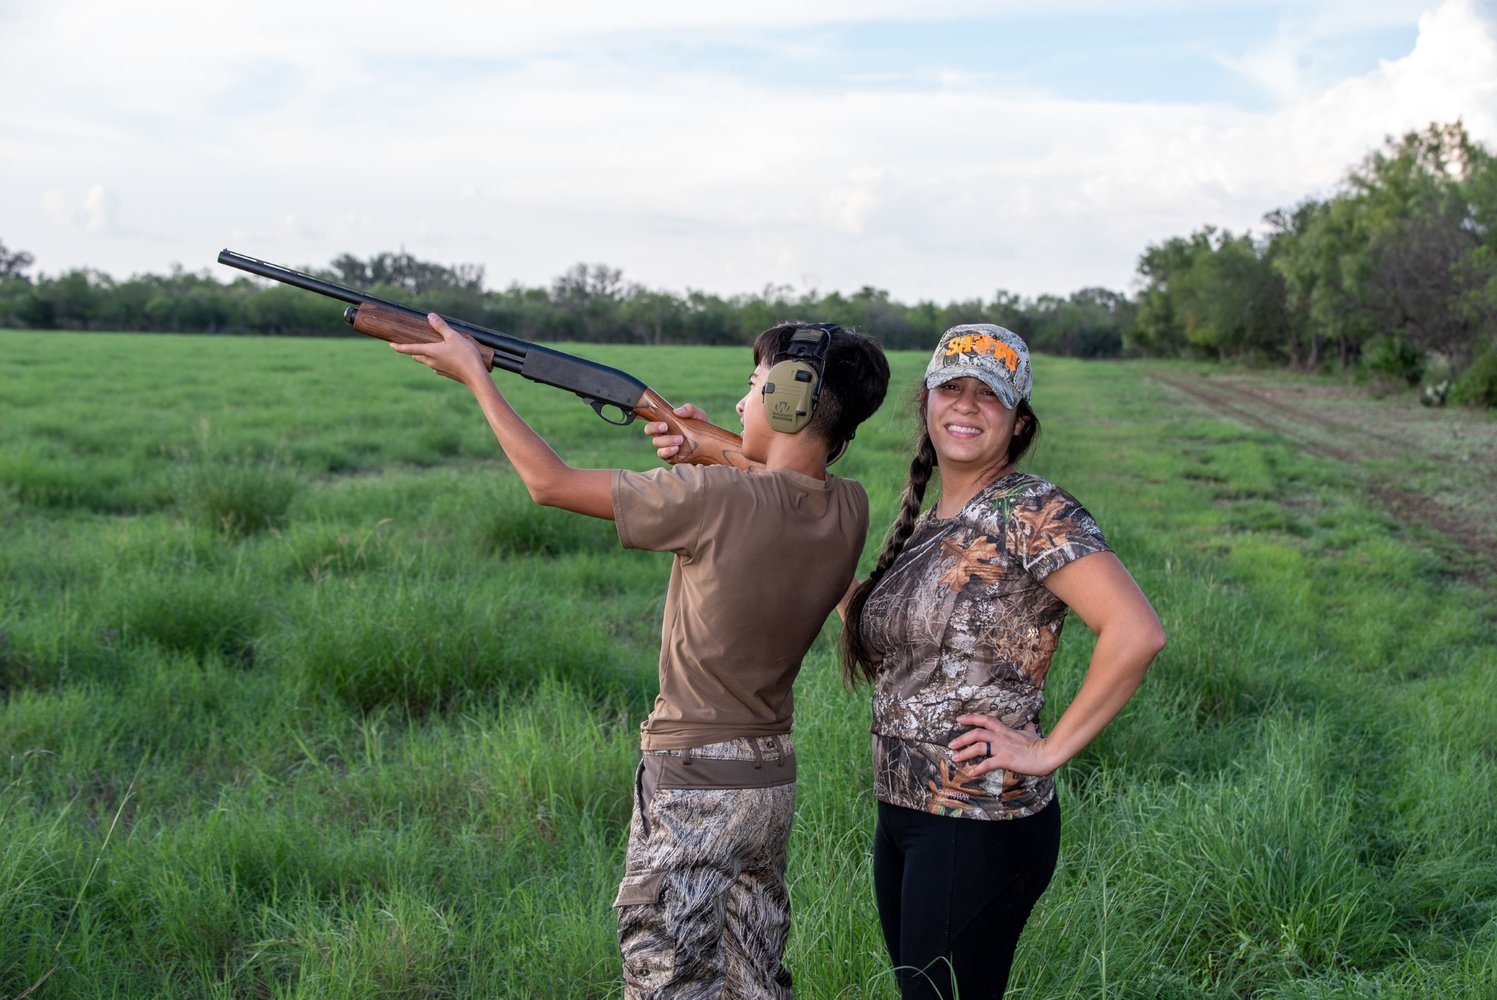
(551, 482)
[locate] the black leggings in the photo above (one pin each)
(953, 895)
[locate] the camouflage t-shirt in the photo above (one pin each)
(962, 624)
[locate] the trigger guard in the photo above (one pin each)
(598, 404)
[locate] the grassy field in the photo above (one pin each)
(303, 698)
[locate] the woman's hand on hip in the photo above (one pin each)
(990, 746)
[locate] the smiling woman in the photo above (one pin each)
(955, 629)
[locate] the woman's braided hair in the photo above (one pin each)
(857, 658)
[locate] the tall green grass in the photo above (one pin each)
(304, 698)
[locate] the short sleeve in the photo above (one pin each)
(1055, 530)
(659, 510)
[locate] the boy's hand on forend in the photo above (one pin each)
(455, 355)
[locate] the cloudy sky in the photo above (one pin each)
(937, 149)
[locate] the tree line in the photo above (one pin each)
(590, 302)
(1394, 275)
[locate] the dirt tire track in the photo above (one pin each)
(1219, 401)
(1258, 404)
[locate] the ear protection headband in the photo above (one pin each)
(794, 382)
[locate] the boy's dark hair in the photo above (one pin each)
(854, 378)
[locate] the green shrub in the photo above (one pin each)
(1478, 386)
(1394, 357)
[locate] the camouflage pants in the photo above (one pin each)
(702, 909)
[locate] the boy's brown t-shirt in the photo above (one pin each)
(761, 560)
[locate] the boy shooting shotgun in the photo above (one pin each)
(765, 543)
(762, 556)
(599, 385)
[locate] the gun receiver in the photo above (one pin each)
(599, 385)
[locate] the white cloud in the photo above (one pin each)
(1451, 73)
(1292, 65)
(100, 209)
(849, 203)
(96, 212)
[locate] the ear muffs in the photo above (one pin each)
(794, 382)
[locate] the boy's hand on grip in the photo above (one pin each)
(667, 445)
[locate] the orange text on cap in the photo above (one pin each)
(981, 343)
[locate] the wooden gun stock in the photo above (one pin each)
(703, 443)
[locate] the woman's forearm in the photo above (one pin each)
(1120, 659)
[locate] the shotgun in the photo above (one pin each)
(599, 385)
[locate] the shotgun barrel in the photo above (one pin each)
(600, 386)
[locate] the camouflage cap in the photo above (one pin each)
(983, 351)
